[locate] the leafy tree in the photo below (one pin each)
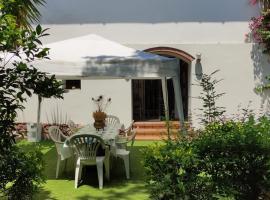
(209, 96)
(20, 172)
(25, 11)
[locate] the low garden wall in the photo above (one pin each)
(21, 129)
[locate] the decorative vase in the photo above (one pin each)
(99, 118)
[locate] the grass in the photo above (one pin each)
(116, 189)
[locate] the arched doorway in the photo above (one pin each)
(147, 97)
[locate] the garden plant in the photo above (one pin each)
(20, 172)
(227, 159)
(211, 112)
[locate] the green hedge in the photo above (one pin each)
(21, 173)
(229, 160)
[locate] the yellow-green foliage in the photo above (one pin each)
(229, 160)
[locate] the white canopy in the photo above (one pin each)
(95, 57)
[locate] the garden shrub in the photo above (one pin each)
(172, 172)
(228, 160)
(22, 181)
(237, 155)
(20, 172)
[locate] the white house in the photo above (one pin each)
(183, 29)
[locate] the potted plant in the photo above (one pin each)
(99, 115)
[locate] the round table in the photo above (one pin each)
(108, 135)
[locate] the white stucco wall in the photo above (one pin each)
(155, 34)
(78, 106)
(215, 28)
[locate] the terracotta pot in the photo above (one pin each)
(99, 117)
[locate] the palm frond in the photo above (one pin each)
(25, 11)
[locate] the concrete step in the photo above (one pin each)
(150, 137)
(150, 125)
(154, 130)
(154, 137)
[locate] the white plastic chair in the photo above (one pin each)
(58, 137)
(72, 126)
(131, 134)
(86, 147)
(112, 121)
(127, 136)
(123, 153)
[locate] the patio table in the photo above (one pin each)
(108, 135)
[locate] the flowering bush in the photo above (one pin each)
(263, 3)
(253, 2)
(101, 103)
(260, 26)
(260, 30)
(255, 25)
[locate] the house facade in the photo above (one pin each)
(204, 35)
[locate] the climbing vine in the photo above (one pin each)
(260, 26)
(265, 4)
(260, 33)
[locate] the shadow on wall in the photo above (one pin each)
(113, 67)
(145, 11)
(261, 63)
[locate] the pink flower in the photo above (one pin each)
(253, 2)
(255, 26)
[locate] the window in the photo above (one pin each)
(73, 84)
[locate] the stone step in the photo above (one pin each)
(150, 137)
(154, 125)
(154, 131)
(155, 137)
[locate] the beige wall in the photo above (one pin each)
(78, 106)
(160, 33)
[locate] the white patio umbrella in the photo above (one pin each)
(94, 57)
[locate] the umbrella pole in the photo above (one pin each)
(39, 112)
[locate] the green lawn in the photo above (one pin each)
(116, 189)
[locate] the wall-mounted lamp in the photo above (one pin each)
(198, 57)
(128, 78)
(198, 66)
